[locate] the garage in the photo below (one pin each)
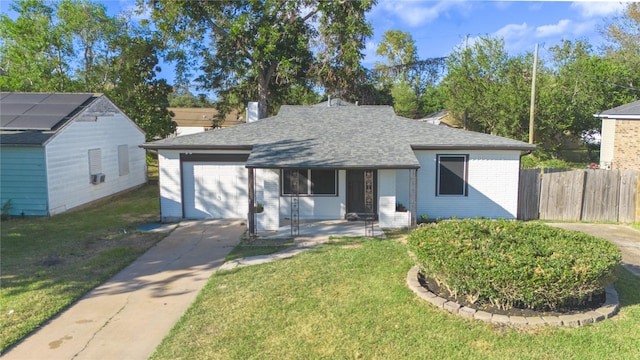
(215, 190)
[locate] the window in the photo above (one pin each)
(310, 182)
(323, 182)
(452, 175)
(289, 181)
(123, 159)
(95, 166)
(95, 161)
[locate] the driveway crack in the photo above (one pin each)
(101, 328)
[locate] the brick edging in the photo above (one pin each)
(607, 310)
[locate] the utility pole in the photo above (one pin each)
(466, 64)
(532, 108)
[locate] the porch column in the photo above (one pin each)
(252, 198)
(413, 193)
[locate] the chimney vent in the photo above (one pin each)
(252, 112)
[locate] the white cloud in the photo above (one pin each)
(516, 37)
(589, 9)
(502, 5)
(513, 31)
(555, 29)
(584, 27)
(417, 13)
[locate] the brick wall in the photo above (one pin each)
(626, 153)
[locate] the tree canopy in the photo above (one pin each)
(74, 46)
(412, 82)
(269, 50)
(491, 89)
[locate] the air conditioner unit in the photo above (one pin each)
(97, 178)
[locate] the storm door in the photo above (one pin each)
(362, 191)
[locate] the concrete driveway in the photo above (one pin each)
(128, 315)
(624, 237)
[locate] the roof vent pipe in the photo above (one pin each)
(329, 101)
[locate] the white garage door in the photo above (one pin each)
(215, 190)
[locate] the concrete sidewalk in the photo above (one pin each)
(128, 316)
(624, 237)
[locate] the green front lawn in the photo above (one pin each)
(350, 301)
(48, 263)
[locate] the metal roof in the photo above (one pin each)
(38, 111)
(337, 137)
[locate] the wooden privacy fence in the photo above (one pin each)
(579, 195)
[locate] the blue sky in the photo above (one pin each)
(439, 26)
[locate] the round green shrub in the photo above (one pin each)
(509, 264)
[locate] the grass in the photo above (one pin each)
(48, 263)
(636, 226)
(350, 301)
(248, 248)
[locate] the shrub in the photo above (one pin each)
(532, 162)
(513, 264)
(6, 208)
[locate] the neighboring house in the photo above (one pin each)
(441, 117)
(195, 120)
(59, 151)
(620, 143)
(334, 162)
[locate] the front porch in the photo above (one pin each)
(387, 196)
(321, 230)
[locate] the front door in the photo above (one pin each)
(358, 191)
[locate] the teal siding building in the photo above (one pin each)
(23, 186)
(60, 151)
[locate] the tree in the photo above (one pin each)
(398, 48)
(138, 93)
(182, 97)
(259, 49)
(409, 78)
(74, 46)
(34, 52)
(582, 83)
(623, 34)
(490, 87)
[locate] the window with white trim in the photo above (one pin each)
(320, 182)
(451, 175)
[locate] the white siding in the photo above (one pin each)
(169, 179)
(388, 196)
(607, 143)
(188, 130)
(268, 194)
(402, 187)
(319, 207)
(68, 173)
(493, 186)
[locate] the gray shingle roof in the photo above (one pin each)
(339, 137)
(630, 110)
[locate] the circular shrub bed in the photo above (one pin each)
(510, 264)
